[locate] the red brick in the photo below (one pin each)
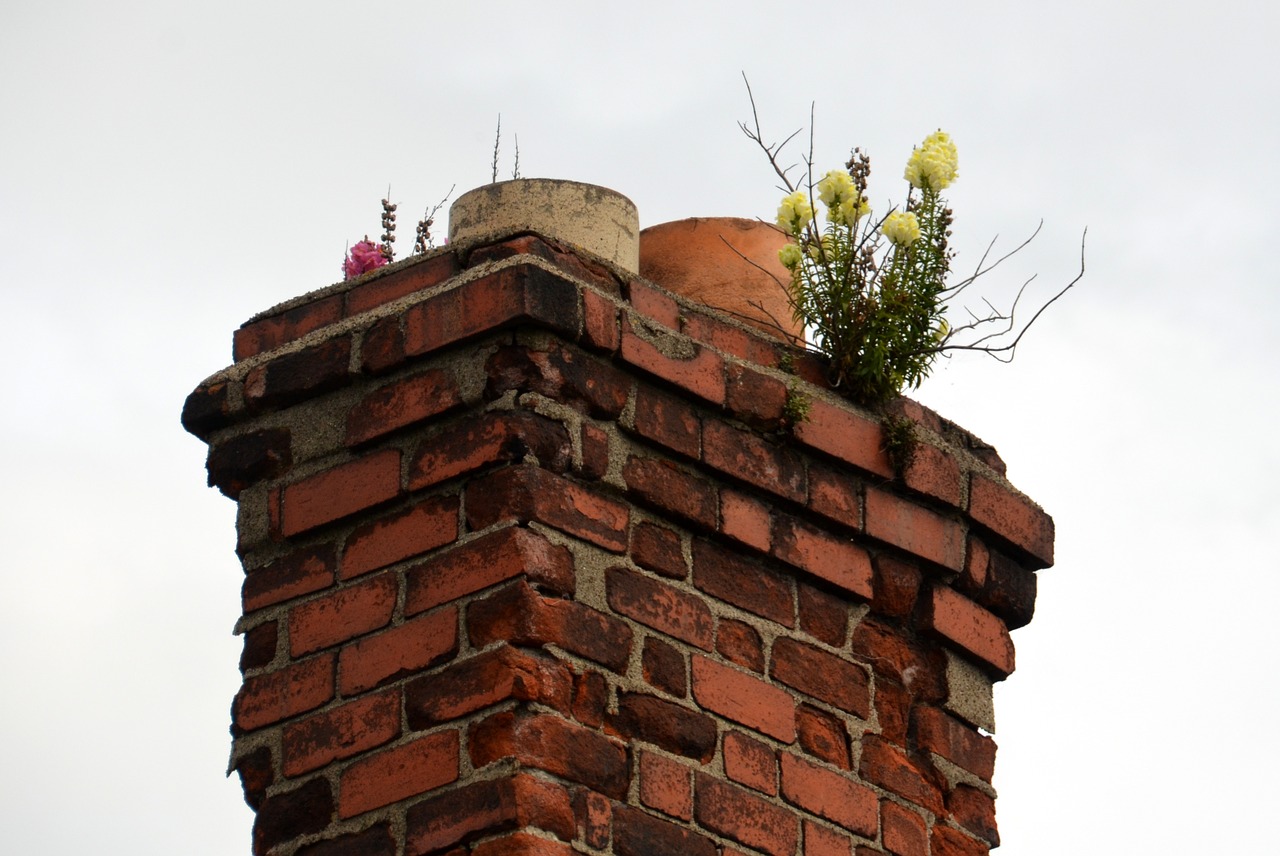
(522, 844)
(755, 397)
(743, 583)
(300, 572)
(484, 680)
(595, 818)
(562, 256)
(664, 667)
(407, 648)
(287, 815)
(893, 708)
(267, 334)
(820, 841)
(636, 833)
(377, 840)
(837, 798)
(900, 658)
(750, 762)
(1013, 517)
(935, 473)
(660, 606)
(259, 646)
(823, 616)
(484, 562)
(740, 643)
(977, 564)
(595, 452)
(418, 529)
(668, 421)
(549, 743)
(666, 785)
(295, 689)
(667, 725)
(959, 743)
(747, 456)
(485, 807)
(523, 493)
(298, 376)
(659, 550)
(382, 346)
(836, 560)
(400, 403)
(982, 634)
(701, 372)
(747, 819)
(590, 697)
(663, 485)
(340, 491)
(823, 736)
(426, 274)
(905, 831)
(744, 344)
(600, 317)
(946, 841)
(522, 293)
(888, 767)
(1009, 591)
(246, 459)
(897, 586)
(917, 530)
(520, 616)
(835, 495)
(822, 675)
(562, 373)
(654, 303)
(394, 774)
(487, 439)
(840, 432)
(744, 699)
(744, 519)
(208, 408)
(975, 811)
(340, 732)
(345, 614)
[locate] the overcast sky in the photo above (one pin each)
(169, 169)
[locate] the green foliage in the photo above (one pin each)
(796, 410)
(899, 442)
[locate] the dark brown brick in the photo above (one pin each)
(304, 374)
(742, 582)
(821, 675)
(669, 488)
(400, 403)
(823, 615)
(426, 273)
(660, 606)
(524, 493)
(487, 439)
(285, 816)
(259, 646)
(665, 724)
(668, 421)
(748, 819)
(664, 667)
(549, 743)
(739, 642)
(564, 374)
(266, 334)
(247, 459)
(375, 841)
(659, 550)
(483, 680)
(486, 807)
(636, 833)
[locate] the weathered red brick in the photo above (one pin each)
(300, 375)
(522, 844)
(981, 633)
(550, 743)
(739, 341)
(677, 360)
(400, 403)
(840, 432)
(677, 729)
(395, 537)
(425, 274)
(595, 452)
(666, 785)
(562, 256)
(259, 646)
(1013, 517)
(975, 811)
(744, 817)
(600, 322)
(520, 616)
(820, 841)
(744, 699)
(486, 807)
(748, 456)
(1009, 591)
(382, 346)
(899, 657)
(267, 334)
(660, 606)
(945, 841)
(636, 833)
(487, 561)
(658, 549)
(394, 774)
(822, 675)
(664, 667)
(246, 459)
(935, 473)
(745, 519)
(837, 798)
(485, 680)
(823, 736)
(897, 586)
(561, 372)
(487, 439)
(835, 495)
(957, 742)
(740, 643)
(347, 613)
(667, 487)
(823, 615)
(523, 493)
(404, 649)
(743, 583)
(377, 840)
(754, 397)
(888, 766)
(300, 572)
(340, 491)
(208, 408)
(893, 711)
(297, 688)
(750, 762)
(915, 529)
(668, 421)
(905, 831)
(287, 815)
(654, 303)
(594, 814)
(836, 560)
(340, 732)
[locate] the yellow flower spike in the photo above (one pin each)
(790, 256)
(794, 213)
(902, 228)
(935, 164)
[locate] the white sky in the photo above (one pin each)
(169, 169)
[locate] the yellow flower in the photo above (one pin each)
(901, 228)
(851, 208)
(944, 330)
(935, 164)
(794, 213)
(790, 256)
(834, 187)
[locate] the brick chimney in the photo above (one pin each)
(535, 564)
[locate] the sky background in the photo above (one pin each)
(169, 169)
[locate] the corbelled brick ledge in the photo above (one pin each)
(533, 565)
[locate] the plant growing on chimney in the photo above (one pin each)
(366, 255)
(873, 293)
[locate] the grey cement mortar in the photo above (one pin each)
(970, 693)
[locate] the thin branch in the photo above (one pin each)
(497, 139)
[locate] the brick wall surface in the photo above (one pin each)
(535, 565)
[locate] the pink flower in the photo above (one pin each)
(362, 258)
